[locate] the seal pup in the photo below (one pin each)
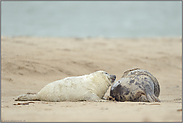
(91, 87)
(136, 85)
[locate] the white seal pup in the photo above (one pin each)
(90, 87)
(136, 85)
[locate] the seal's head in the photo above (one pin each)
(110, 77)
(119, 91)
(107, 76)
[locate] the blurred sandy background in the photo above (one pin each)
(29, 63)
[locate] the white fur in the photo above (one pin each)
(86, 87)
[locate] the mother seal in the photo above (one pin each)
(136, 85)
(90, 87)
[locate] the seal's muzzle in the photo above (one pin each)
(113, 77)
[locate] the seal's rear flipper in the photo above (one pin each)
(149, 97)
(155, 98)
(152, 98)
(27, 97)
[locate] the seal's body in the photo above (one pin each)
(136, 85)
(90, 87)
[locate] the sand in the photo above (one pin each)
(29, 63)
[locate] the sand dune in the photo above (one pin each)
(29, 63)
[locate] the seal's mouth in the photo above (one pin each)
(113, 80)
(112, 77)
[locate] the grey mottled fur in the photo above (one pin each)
(136, 85)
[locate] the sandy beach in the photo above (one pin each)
(30, 63)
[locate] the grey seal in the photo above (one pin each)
(136, 85)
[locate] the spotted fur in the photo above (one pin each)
(136, 85)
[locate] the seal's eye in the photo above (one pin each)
(105, 73)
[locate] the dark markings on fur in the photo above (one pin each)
(131, 98)
(137, 83)
(132, 81)
(124, 90)
(135, 99)
(127, 92)
(140, 87)
(122, 98)
(147, 87)
(131, 94)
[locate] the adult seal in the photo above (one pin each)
(136, 85)
(91, 87)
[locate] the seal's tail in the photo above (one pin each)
(27, 97)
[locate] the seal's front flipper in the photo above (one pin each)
(143, 98)
(93, 97)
